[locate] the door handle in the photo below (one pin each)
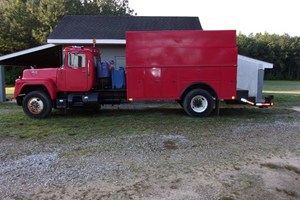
(88, 69)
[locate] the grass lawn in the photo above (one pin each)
(159, 120)
(282, 87)
(286, 93)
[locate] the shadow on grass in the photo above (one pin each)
(235, 112)
(75, 113)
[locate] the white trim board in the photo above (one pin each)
(86, 41)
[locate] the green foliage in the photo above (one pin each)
(281, 50)
(12, 73)
(15, 27)
(48, 13)
(107, 7)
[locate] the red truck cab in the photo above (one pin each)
(78, 73)
(38, 89)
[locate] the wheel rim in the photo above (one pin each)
(35, 105)
(199, 103)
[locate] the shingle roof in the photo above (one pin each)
(114, 27)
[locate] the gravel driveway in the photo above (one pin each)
(243, 160)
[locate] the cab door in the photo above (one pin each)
(76, 73)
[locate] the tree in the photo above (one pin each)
(48, 13)
(15, 27)
(116, 7)
(27, 23)
(281, 50)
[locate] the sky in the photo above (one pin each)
(245, 16)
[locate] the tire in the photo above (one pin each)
(198, 103)
(37, 104)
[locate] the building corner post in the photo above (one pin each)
(2, 85)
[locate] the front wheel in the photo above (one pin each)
(37, 104)
(198, 103)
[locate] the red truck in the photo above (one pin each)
(198, 69)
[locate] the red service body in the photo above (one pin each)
(161, 65)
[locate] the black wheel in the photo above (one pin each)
(198, 103)
(37, 104)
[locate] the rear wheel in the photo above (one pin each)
(37, 104)
(198, 103)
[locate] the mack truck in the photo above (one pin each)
(198, 69)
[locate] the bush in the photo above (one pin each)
(11, 74)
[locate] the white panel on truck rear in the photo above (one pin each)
(250, 75)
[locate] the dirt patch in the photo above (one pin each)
(282, 174)
(228, 159)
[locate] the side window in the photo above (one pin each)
(76, 60)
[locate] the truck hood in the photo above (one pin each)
(48, 73)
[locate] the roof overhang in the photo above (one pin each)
(43, 56)
(27, 51)
(259, 63)
(86, 41)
